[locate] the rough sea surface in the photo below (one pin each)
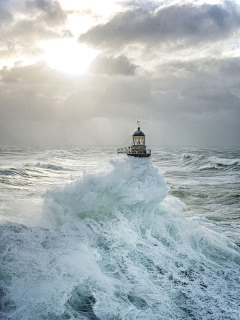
(88, 234)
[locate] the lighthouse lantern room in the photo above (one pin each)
(138, 147)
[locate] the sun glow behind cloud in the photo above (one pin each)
(69, 56)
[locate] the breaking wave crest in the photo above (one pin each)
(49, 166)
(125, 188)
(13, 172)
(216, 163)
(117, 247)
(224, 162)
(56, 154)
(200, 162)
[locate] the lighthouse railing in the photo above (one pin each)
(123, 150)
(129, 150)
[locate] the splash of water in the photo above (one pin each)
(117, 247)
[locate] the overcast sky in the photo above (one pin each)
(83, 72)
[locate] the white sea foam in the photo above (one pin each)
(48, 166)
(117, 247)
(56, 153)
(223, 161)
(129, 183)
(187, 156)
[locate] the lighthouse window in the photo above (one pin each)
(138, 140)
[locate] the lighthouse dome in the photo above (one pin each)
(138, 132)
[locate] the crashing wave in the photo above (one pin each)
(187, 157)
(56, 153)
(13, 172)
(117, 247)
(224, 162)
(48, 166)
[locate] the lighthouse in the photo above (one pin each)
(138, 147)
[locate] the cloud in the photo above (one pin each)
(27, 23)
(39, 105)
(186, 96)
(175, 24)
(34, 99)
(48, 11)
(113, 66)
(5, 15)
(38, 73)
(191, 87)
(110, 98)
(37, 92)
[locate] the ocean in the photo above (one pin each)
(89, 234)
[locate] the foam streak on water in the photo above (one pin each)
(112, 244)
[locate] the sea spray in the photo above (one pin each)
(128, 186)
(116, 246)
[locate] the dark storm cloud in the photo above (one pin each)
(38, 97)
(192, 107)
(5, 15)
(201, 86)
(38, 73)
(192, 97)
(230, 67)
(107, 97)
(28, 23)
(143, 4)
(113, 66)
(188, 23)
(200, 75)
(38, 92)
(25, 93)
(48, 11)
(34, 93)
